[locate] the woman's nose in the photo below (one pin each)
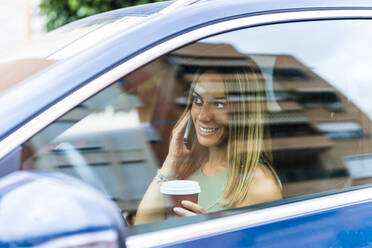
(205, 113)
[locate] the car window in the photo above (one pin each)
(276, 111)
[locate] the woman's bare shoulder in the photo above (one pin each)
(263, 187)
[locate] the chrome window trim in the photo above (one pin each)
(43, 119)
(252, 218)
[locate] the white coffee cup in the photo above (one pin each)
(175, 191)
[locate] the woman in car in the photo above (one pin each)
(227, 156)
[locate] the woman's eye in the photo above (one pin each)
(220, 105)
(197, 100)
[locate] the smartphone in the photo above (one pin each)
(188, 137)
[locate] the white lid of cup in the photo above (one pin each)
(180, 187)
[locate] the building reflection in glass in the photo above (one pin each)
(116, 140)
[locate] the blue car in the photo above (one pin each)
(265, 104)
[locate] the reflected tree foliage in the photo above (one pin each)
(61, 12)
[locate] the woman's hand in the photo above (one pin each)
(189, 209)
(178, 151)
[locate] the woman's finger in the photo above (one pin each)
(183, 212)
(196, 208)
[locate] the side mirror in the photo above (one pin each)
(55, 210)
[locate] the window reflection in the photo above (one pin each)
(300, 110)
(315, 138)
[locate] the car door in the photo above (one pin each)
(315, 67)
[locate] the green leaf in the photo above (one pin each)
(73, 5)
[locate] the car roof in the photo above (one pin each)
(63, 77)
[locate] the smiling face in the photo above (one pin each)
(209, 112)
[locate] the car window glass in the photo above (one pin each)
(321, 67)
(277, 111)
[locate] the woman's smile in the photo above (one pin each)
(207, 131)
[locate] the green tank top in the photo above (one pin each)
(211, 189)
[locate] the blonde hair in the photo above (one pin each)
(245, 135)
(245, 140)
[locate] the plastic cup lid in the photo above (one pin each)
(180, 187)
